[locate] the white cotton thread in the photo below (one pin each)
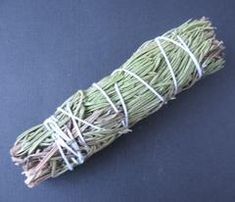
(69, 166)
(157, 40)
(78, 119)
(50, 124)
(74, 143)
(75, 124)
(199, 69)
(106, 96)
(142, 81)
(67, 140)
(62, 140)
(126, 122)
(183, 46)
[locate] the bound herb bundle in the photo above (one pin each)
(92, 119)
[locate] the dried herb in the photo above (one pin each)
(92, 119)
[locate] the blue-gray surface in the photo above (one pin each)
(49, 49)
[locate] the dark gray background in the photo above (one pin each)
(49, 49)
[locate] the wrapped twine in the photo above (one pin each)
(92, 119)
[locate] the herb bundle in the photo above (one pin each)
(92, 119)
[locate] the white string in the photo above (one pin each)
(74, 142)
(112, 104)
(106, 96)
(59, 137)
(168, 64)
(70, 167)
(75, 124)
(74, 145)
(64, 140)
(126, 123)
(77, 118)
(199, 69)
(58, 133)
(186, 49)
(143, 82)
